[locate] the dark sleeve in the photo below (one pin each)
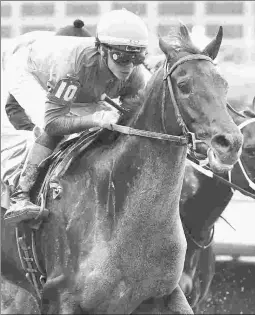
(58, 120)
(17, 115)
(60, 97)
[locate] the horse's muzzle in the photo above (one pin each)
(225, 151)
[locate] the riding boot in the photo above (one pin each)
(21, 207)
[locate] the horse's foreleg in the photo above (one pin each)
(186, 283)
(19, 301)
(175, 303)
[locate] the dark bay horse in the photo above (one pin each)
(199, 263)
(115, 239)
(203, 199)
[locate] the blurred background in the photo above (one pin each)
(235, 272)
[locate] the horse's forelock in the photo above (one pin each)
(179, 43)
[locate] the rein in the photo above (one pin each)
(206, 171)
(235, 111)
(149, 134)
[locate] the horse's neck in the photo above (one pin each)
(157, 166)
(155, 106)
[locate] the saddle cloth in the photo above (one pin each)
(13, 159)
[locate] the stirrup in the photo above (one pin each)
(25, 214)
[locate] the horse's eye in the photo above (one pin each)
(250, 151)
(184, 87)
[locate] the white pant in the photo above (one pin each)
(22, 84)
(18, 81)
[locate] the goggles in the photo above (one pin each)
(124, 58)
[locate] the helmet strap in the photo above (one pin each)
(103, 52)
(97, 42)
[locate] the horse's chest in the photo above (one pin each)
(154, 254)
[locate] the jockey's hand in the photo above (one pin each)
(104, 119)
(37, 131)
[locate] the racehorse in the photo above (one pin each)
(114, 237)
(199, 262)
(203, 199)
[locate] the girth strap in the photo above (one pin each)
(29, 260)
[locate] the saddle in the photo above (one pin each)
(62, 158)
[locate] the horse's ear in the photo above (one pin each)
(162, 45)
(166, 48)
(184, 32)
(250, 111)
(213, 47)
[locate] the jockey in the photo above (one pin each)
(54, 75)
(16, 114)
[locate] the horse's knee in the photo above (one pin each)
(177, 303)
(186, 283)
(195, 294)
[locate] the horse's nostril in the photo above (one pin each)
(221, 141)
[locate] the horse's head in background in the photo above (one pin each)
(202, 93)
(244, 170)
(203, 200)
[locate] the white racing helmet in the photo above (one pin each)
(122, 28)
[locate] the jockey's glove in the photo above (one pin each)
(104, 119)
(37, 132)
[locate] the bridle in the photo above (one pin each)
(188, 138)
(167, 79)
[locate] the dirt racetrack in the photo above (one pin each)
(232, 290)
